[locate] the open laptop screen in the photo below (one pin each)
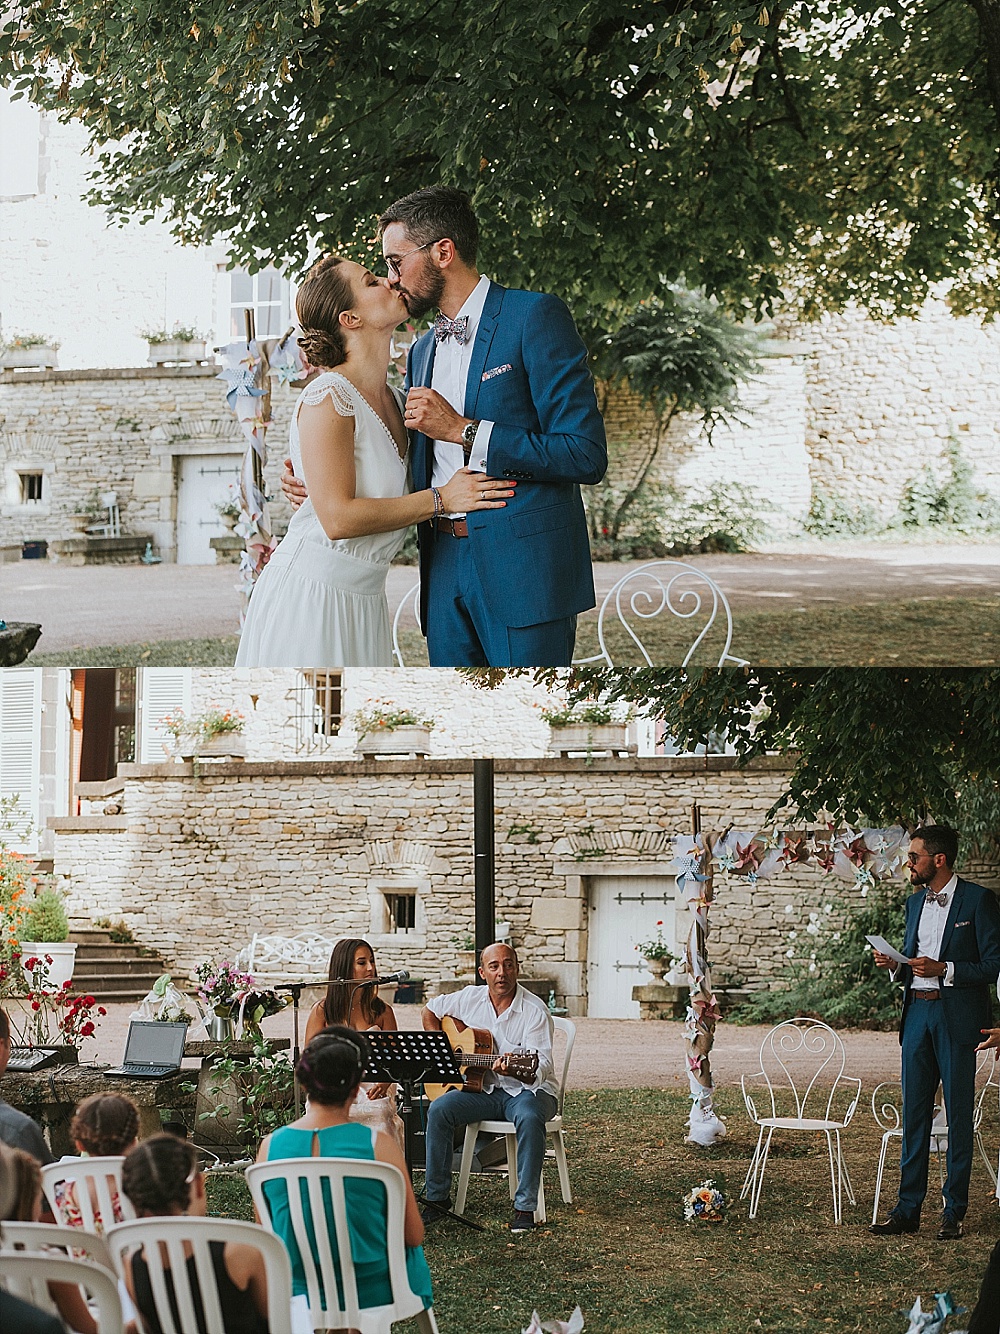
(151, 1043)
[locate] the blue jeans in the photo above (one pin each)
(528, 1111)
(930, 1054)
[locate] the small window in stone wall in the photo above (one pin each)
(318, 708)
(31, 487)
(402, 911)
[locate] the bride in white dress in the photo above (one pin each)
(320, 600)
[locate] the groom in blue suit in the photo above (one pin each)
(952, 943)
(499, 385)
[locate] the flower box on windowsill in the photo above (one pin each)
(590, 739)
(222, 746)
(408, 740)
(42, 357)
(176, 352)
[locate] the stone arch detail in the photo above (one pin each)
(402, 854)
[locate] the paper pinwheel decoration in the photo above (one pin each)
(571, 1326)
(931, 1322)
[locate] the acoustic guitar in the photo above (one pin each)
(475, 1050)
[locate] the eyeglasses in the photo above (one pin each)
(914, 857)
(393, 264)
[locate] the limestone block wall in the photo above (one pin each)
(122, 430)
(883, 401)
(200, 861)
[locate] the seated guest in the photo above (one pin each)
(16, 1314)
(330, 1071)
(351, 999)
(161, 1178)
(22, 1199)
(105, 1125)
(517, 1020)
(16, 1129)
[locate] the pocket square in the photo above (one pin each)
(497, 370)
(966, 923)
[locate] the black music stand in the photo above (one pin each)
(409, 1058)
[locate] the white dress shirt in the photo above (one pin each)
(449, 378)
(930, 932)
(525, 1025)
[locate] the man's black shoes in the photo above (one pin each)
(435, 1209)
(894, 1226)
(950, 1229)
(523, 1221)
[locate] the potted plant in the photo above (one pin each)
(215, 734)
(46, 1016)
(28, 352)
(45, 934)
(179, 344)
(385, 729)
(587, 727)
(465, 948)
(656, 954)
(229, 512)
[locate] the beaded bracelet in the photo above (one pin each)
(438, 502)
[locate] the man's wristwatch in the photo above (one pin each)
(469, 439)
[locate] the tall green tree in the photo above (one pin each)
(844, 151)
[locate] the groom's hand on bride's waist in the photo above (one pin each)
(293, 487)
(433, 416)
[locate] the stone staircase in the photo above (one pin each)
(111, 972)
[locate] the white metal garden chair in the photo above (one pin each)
(332, 1290)
(660, 587)
(163, 1241)
(28, 1276)
(987, 1101)
(801, 1083)
(97, 1190)
(30, 1238)
(553, 1131)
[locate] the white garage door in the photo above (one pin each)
(623, 911)
(203, 482)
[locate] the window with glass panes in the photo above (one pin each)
(266, 293)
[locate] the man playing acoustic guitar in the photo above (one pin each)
(517, 1021)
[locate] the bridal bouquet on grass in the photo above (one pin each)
(705, 1204)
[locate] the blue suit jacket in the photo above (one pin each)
(971, 941)
(529, 376)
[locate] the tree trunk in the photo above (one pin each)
(662, 425)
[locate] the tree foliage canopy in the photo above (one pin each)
(866, 743)
(847, 151)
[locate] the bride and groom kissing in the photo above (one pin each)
(485, 451)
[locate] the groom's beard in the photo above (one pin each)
(427, 297)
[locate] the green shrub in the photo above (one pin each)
(662, 522)
(45, 919)
(831, 516)
(833, 977)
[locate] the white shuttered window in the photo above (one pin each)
(20, 749)
(163, 690)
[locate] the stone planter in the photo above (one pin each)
(589, 739)
(411, 741)
(230, 520)
(79, 523)
(29, 358)
(222, 746)
(62, 954)
(657, 967)
(162, 354)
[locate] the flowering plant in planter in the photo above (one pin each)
(22, 342)
(384, 716)
(597, 715)
(222, 986)
(52, 1016)
(213, 722)
(178, 334)
(656, 949)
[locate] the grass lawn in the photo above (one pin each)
(623, 1251)
(925, 632)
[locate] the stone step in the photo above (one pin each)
(116, 965)
(114, 987)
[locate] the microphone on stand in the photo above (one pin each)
(402, 976)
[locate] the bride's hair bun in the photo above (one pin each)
(323, 297)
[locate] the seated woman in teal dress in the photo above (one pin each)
(330, 1071)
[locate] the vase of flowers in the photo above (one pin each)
(656, 954)
(221, 988)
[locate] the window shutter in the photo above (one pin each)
(20, 130)
(20, 750)
(163, 690)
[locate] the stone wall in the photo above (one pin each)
(200, 861)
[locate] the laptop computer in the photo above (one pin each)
(152, 1050)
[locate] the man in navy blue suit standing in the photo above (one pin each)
(953, 946)
(499, 384)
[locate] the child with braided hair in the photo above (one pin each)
(161, 1178)
(105, 1125)
(330, 1072)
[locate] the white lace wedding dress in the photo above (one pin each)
(318, 602)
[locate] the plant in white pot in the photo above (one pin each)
(28, 351)
(45, 934)
(385, 729)
(180, 344)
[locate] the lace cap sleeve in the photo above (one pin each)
(337, 387)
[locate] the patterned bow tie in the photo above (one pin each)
(931, 897)
(446, 328)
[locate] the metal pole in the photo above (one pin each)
(486, 916)
(250, 323)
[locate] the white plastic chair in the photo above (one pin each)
(154, 1235)
(806, 1059)
(327, 1176)
(31, 1238)
(113, 527)
(660, 586)
(93, 1181)
(28, 1277)
(553, 1132)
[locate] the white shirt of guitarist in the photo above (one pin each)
(525, 1024)
(449, 376)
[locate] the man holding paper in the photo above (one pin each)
(951, 956)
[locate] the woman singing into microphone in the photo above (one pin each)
(352, 999)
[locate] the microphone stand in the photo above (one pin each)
(295, 989)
